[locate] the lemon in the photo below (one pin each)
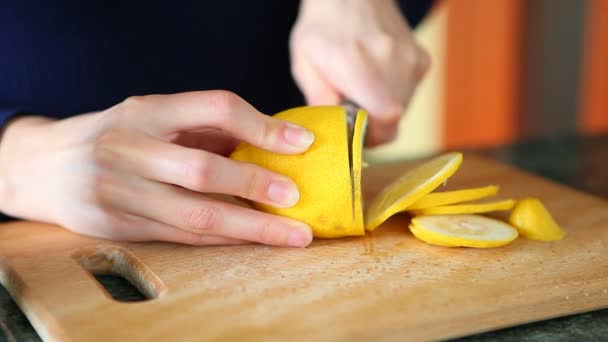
(437, 199)
(411, 187)
(462, 231)
(534, 222)
(329, 179)
(328, 174)
(469, 208)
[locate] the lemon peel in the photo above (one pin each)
(437, 199)
(411, 187)
(534, 222)
(469, 208)
(327, 183)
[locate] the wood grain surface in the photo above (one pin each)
(386, 285)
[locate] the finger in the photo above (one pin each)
(157, 231)
(211, 139)
(422, 62)
(197, 170)
(360, 79)
(168, 114)
(316, 89)
(115, 224)
(379, 133)
(191, 212)
(383, 129)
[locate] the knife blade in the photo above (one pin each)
(351, 109)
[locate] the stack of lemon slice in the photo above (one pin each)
(329, 179)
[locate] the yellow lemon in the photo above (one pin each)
(411, 187)
(469, 208)
(437, 199)
(462, 231)
(534, 222)
(329, 179)
(328, 174)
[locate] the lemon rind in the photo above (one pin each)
(438, 199)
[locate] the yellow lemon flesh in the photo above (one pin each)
(328, 177)
(411, 187)
(437, 199)
(534, 222)
(462, 231)
(469, 208)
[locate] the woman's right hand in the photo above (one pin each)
(142, 170)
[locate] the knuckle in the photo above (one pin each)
(266, 234)
(191, 238)
(385, 45)
(423, 62)
(263, 133)
(104, 145)
(198, 173)
(105, 189)
(125, 113)
(201, 219)
(254, 185)
(130, 105)
(410, 59)
(132, 102)
(223, 101)
(417, 61)
(394, 109)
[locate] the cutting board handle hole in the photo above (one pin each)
(12, 318)
(107, 264)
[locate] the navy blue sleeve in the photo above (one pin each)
(6, 115)
(415, 10)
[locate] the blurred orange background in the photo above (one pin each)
(505, 71)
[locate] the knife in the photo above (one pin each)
(351, 109)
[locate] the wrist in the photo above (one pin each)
(19, 138)
(20, 132)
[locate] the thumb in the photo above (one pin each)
(316, 89)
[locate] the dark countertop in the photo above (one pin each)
(580, 162)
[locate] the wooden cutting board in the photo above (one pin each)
(387, 285)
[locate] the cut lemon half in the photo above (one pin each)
(437, 199)
(462, 231)
(411, 187)
(328, 174)
(469, 208)
(534, 222)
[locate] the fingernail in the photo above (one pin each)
(299, 238)
(285, 194)
(298, 136)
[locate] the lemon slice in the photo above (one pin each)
(469, 208)
(534, 222)
(462, 231)
(411, 187)
(357, 165)
(437, 199)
